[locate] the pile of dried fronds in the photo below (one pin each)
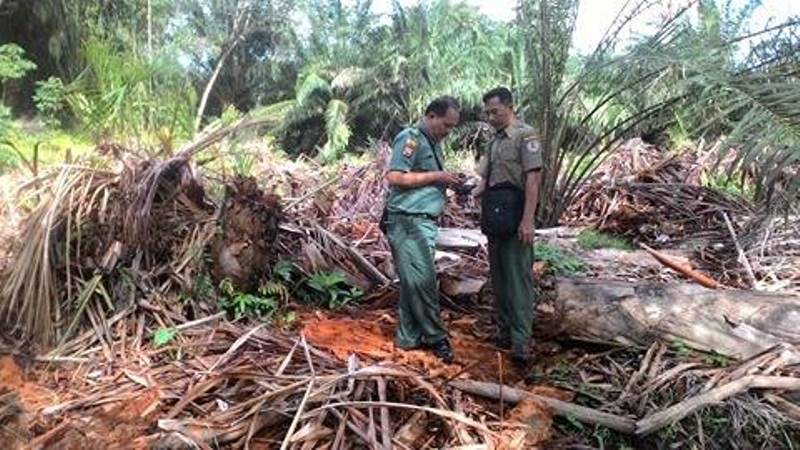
(655, 198)
(685, 398)
(99, 239)
(763, 253)
(93, 232)
(650, 196)
(639, 161)
(32, 292)
(660, 214)
(233, 387)
(217, 384)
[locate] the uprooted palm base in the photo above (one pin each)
(114, 268)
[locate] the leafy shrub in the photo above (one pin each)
(49, 99)
(13, 64)
(559, 261)
(264, 304)
(241, 304)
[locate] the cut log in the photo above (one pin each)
(463, 238)
(733, 323)
(461, 286)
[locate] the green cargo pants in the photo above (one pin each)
(412, 239)
(510, 266)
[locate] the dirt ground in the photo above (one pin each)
(374, 339)
(114, 425)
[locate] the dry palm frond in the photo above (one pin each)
(655, 213)
(30, 296)
(770, 245)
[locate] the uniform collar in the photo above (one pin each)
(505, 131)
(427, 135)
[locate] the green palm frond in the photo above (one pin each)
(348, 78)
(275, 112)
(310, 87)
(338, 131)
(760, 116)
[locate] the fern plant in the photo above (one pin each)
(330, 289)
(241, 304)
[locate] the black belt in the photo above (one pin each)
(419, 215)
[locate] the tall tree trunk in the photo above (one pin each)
(210, 85)
(239, 29)
(150, 29)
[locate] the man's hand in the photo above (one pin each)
(479, 190)
(448, 178)
(526, 232)
(526, 227)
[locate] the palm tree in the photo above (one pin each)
(583, 114)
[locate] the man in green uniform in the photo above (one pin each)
(416, 199)
(516, 158)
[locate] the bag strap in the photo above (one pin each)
(433, 148)
(489, 169)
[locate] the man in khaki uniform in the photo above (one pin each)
(516, 158)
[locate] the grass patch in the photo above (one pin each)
(729, 185)
(46, 147)
(593, 239)
(558, 260)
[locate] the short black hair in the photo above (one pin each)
(440, 106)
(502, 93)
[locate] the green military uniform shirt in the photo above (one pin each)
(514, 151)
(413, 152)
(412, 237)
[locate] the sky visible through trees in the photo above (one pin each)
(594, 16)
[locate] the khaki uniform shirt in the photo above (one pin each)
(515, 151)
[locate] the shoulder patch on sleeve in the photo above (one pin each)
(410, 147)
(532, 144)
(530, 136)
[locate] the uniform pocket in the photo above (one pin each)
(509, 153)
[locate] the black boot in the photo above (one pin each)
(520, 357)
(501, 341)
(443, 351)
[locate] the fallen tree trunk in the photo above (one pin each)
(733, 323)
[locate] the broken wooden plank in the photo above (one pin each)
(684, 269)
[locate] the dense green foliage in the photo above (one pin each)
(339, 76)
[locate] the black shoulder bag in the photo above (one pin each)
(382, 225)
(502, 206)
